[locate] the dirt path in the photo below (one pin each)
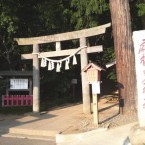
(109, 117)
(70, 119)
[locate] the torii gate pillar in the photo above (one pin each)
(36, 81)
(85, 85)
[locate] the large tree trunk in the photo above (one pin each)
(124, 51)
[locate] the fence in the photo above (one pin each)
(17, 100)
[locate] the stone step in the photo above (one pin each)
(32, 132)
(24, 136)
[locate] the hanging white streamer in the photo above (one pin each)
(67, 64)
(74, 60)
(43, 62)
(51, 65)
(58, 66)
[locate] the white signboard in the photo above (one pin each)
(96, 87)
(18, 84)
(139, 46)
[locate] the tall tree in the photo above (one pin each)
(8, 28)
(124, 51)
(26, 19)
(88, 13)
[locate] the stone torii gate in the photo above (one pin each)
(57, 38)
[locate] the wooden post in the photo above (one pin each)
(30, 88)
(7, 88)
(95, 104)
(58, 46)
(85, 85)
(36, 81)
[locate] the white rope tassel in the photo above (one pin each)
(58, 67)
(52, 65)
(74, 60)
(49, 66)
(43, 62)
(67, 64)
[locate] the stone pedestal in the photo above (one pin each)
(33, 114)
(137, 135)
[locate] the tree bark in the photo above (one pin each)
(124, 51)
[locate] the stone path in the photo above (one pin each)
(18, 141)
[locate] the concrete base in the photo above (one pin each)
(72, 138)
(24, 136)
(32, 114)
(137, 135)
(100, 136)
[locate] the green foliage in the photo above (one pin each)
(51, 16)
(108, 54)
(8, 29)
(7, 20)
(141, 9)
(85, 13)
(112, 75)
(26, 19)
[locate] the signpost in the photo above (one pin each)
(18, 84)
(93, 74)
(139, 46)
(18, 88)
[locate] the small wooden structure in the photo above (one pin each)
(18, 88)
(93, 72)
